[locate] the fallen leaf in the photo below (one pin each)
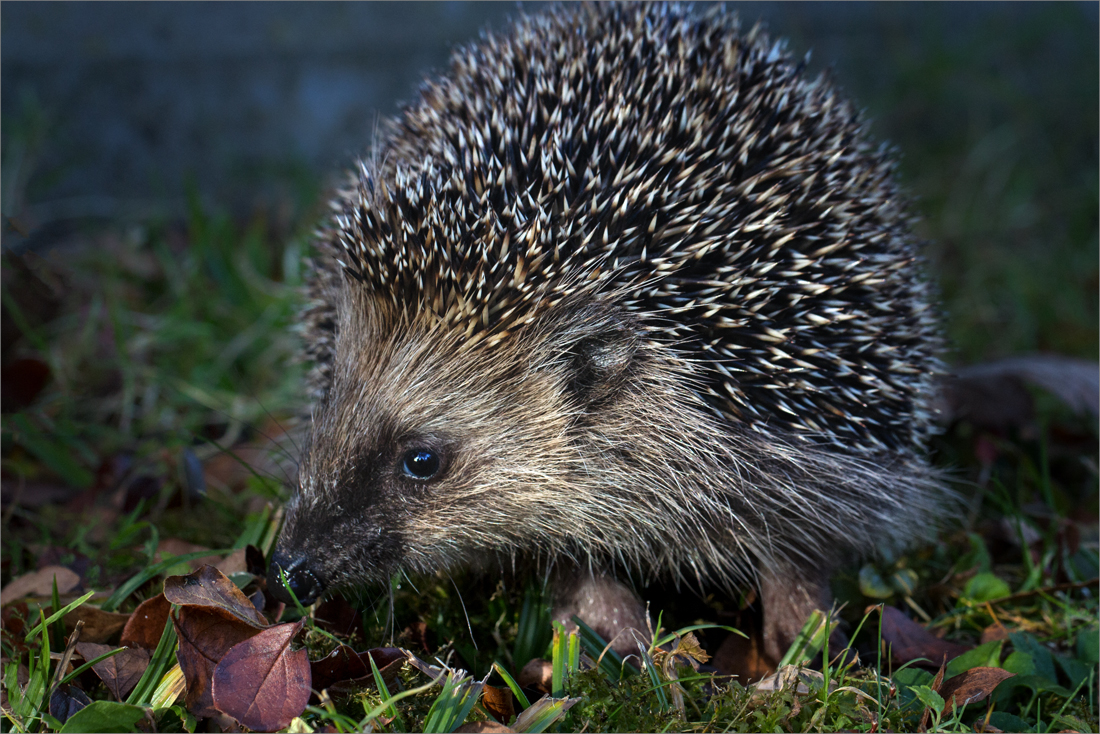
(688, 647)
(994, 632)
(537, 674)
(14, 620)
(209, 587)
(206, 634)
(792, 678)
(119, 672)
(971, 686)
(99, 626)
(146, 624)
(993, 395)
(66, 700)
(39, 583)
(262, 682)
(910, 641)
(498, 702)
(343, 663)
(389, 661)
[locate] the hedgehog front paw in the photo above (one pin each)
(606, 605)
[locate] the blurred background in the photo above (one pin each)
(115, 113)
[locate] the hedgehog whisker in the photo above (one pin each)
(469, 627)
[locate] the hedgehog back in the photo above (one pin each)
(688, 172)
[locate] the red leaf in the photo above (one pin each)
(262, 682)
(209, 587)
(206, 634)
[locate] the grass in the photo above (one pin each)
(169, 349)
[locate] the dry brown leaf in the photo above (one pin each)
(994, 632)
(40, 583)
(99, 626)
(910, 641)
(689, 649)
(262, 682)
(498, 702)
(119, 672)
(971, 686)
(343, 663)
(209, 587)
(146, 624)
(389, 661)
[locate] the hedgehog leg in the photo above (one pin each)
(606, 605)
(789, 598)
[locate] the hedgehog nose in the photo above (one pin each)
(303, 581)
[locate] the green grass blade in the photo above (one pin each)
(95, 661)
(381, 709)
(533, 631)
(543, 714)
(384, 692)
(131, 585)
(809, 642)
(158, 666)
(511, 682)
(57, 615)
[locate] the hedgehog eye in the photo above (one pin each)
(420, 464)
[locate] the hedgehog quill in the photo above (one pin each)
(623, 293)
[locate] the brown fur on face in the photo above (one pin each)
(580, 438)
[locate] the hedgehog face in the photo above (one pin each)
(426, 454)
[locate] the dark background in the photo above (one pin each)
(113, 112)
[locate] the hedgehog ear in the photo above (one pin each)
(601, 359)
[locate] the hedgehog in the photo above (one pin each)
(624, 294)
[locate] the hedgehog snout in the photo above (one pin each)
(306, 583)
